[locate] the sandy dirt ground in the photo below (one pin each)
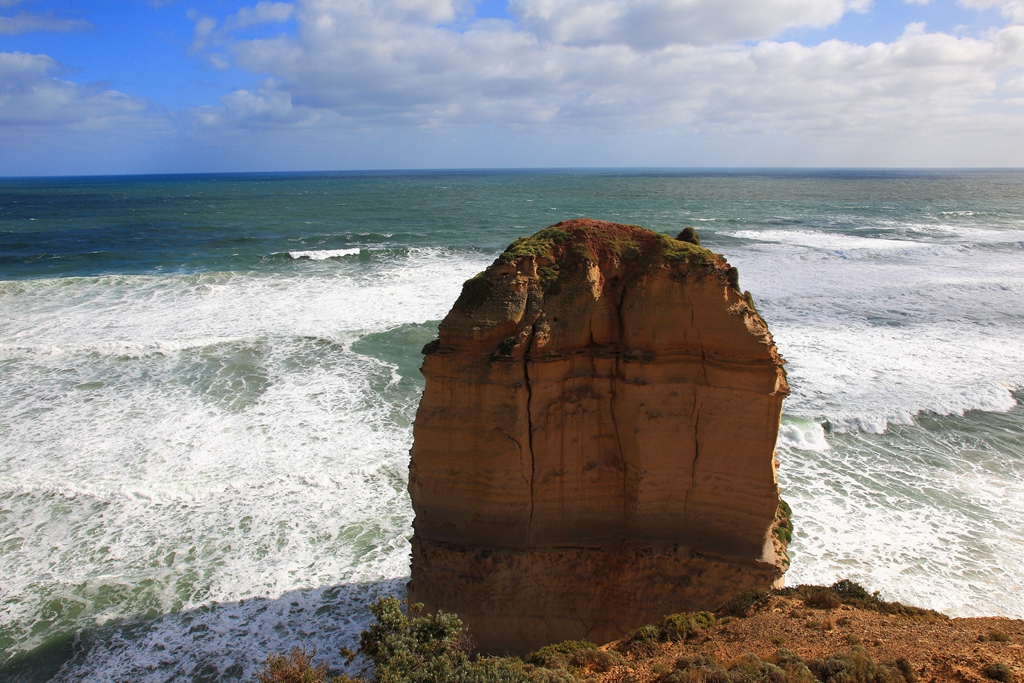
(939, 649)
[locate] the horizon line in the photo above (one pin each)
(529, 169)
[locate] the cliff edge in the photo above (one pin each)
(594, 447)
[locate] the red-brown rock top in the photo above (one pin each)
(595, 443)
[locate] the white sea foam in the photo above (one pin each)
(878, 346)
(174, 443)
(929, 239)
(877, 340)
(127, 349)
(805, 435)
(323, 254)
(907, 514)
(828, 241)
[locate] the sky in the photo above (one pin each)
(179, 86)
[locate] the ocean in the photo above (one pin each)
(207, 386)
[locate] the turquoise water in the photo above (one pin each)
(209, 382)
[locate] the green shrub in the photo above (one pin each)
(750, 301)
(745, 604)
(821, 598)
(733, 276)
(645, 634)
(689, 235)
(698, 669)
(474, 293)
(673, 627)
(999, 672)
(751, 669)
(855, 666)
(416, 648)
(795, 667)
(435, 649)
(500, 670)
(907, 669)
(593, 660)
(685, 624)
(788, 668)
(850, 593)
(998, 637)
(557, 655)
(296, 667)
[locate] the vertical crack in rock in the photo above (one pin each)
(695, 420)
(529, 429)
(628, 494)
(697, 403)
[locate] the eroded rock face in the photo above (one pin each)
(594, 448)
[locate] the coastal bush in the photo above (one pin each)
(786, 668)
(855, 666)
(593, 660)
(733, 276)
(673, 627)
(751, 669)
(698, 669)
(296, 667)
(556, 655)
(795, 667)
(686, 624)
(745, 604)
(999, 672)
(907, 669)
(435, 648)
(642, 640)
(848, 592)
(783, 528)
(474, 293)
(539, 244)
(414, 648)
(749, 298)
(689, 235)
(821, 598)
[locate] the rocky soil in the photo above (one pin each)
(938, 649)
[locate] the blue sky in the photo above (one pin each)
(137, 86)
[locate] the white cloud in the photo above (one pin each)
(267, 106)
(32, 95)
(371, 64)
(1012, 9)
(653, 24)
(29, 22)
(206, 36)
(263, 13)
(202, 33)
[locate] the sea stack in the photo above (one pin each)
(595, 445)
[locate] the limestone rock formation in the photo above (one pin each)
(594, 448)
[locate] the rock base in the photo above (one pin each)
(516, 601)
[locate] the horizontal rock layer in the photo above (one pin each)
(516, 602)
